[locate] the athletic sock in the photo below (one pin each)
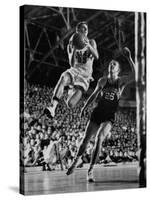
(54, 104)
(90, 168)
(75, 161)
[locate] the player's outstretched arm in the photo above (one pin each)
(127, 54)
(93, 96)
(131, 74)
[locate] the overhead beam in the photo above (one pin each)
(40, 53)
(50, 46)
(51, 64)
(40, 17)
(53, 9)
(66, 36)
(70, 31)
(40, 25)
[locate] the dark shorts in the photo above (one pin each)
(99, 116)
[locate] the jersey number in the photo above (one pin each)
(82, 57)
(109, 96)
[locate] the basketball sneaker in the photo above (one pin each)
(72, 167)
(80, 163)
(49, 112)
(90, 177)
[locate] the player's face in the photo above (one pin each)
(83, 29)
(114, 68)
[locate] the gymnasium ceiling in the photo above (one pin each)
(48, 29)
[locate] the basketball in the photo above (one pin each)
(78, 41)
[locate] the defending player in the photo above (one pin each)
(78, 77)
(102, 118)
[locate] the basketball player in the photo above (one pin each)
(78, 77)
(110, 89)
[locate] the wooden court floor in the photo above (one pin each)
(122, 176)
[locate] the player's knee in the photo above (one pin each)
(65, 79)
(100, 137)
(71, 103)
(107, 130)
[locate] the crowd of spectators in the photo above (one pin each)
(53, 143)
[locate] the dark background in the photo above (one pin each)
(47, 31)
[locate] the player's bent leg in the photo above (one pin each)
(75, 98)
(90, 177)
(103, 131)
(91, 129)
(64, 80)
(81, 85)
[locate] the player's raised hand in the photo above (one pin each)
(86, 41)
(126, 52)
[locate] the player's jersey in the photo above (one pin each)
(107, 103)
(84, 62)
(110, 95)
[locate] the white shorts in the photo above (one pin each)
(79, 79)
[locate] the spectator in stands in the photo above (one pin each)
(45, 142)
(37, 130)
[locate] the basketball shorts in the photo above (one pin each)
(99, 116)
(79, 79)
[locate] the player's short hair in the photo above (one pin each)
(118, 65)
(80, 24)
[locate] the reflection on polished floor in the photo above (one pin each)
(123, 176)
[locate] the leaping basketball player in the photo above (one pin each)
(110, 89)
(78, 77)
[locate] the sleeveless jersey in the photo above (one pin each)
(110, 96)
(84, 62)
(107, 103)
